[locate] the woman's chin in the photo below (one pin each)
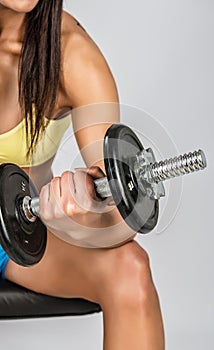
(20, 6)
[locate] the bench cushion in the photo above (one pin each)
(19, 302)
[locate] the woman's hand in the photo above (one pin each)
(71, 210)
(68, 204)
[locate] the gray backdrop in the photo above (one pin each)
(161, 54)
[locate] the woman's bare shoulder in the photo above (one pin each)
(70, 24)
(84, 68)
(74, 36)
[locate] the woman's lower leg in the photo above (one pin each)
(138, 326)
(131, 308)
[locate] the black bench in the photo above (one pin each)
(18, 302)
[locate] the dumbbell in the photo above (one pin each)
(133, 179)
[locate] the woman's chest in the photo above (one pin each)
(9, 107)
(10, 111)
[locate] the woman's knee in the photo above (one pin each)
(126, 276)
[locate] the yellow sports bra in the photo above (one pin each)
(13, 146)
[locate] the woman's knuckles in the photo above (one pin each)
(73, 203)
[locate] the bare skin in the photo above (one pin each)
(119, 278)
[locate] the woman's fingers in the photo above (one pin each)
(68, 194)
(55, 189)
(43, 201)
(56, 196)
(68, 187)
(72, 194)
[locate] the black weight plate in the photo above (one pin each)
(23, 241)
(121, 146)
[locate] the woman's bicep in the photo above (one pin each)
(92, 93)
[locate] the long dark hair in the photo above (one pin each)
(39, 67)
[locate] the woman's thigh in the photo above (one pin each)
(67, 270)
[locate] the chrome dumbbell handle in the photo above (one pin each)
(154, 172)
(34, 205)
(102, 187)
(30, 208)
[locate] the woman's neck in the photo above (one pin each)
(11, 24)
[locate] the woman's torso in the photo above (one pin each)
(10, 112)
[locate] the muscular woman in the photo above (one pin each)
(50, 65)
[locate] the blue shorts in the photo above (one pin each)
(3, 262)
